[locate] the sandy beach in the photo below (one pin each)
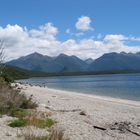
(82, 116)
(89, 117)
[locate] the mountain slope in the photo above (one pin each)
(89, 60)
(116, 61)
(70, 63)
(64, 63)
(35, 61)
(38, 62)
(18, 73)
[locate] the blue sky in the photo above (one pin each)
(105, 17)
(109, 16)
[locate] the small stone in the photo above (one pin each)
(8, 134)
(83, 113)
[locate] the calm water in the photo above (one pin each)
(125, 86)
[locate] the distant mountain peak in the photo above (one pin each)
(123, 53)
(62, 55)
(66, 63)
(39, 62)
(35, 54)
(89, 60)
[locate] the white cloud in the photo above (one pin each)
(13, 34)
(83, 23)
(115, 38)
(20, 41)
(77, 34)
(134, 38)
(47, 31)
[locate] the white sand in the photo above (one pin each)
(66, 108)
(100, 111)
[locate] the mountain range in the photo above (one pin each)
(65, 63)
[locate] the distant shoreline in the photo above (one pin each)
(66, 74)
(19, 73)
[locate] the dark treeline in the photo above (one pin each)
(18, 73)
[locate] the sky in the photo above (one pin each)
(85, 28)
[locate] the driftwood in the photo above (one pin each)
(98, 127)
(133, 132)
(121, 126)
(73, 110)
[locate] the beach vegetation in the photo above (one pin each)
(16, 104)
(32, 118)
(49, 122)
(11, 99)
(55, 134)
(18, 123)
(19, 112)
(40, 122)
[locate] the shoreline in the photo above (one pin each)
(98, 97)
(105, 98)
(126, 98)
(81, 116)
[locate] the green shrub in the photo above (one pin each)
(18, 123)
(49, 122)
(19, 112)
(7, 78)
(31, 119)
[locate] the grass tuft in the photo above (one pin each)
(19, 112)
(32, 119)
(49, 122)
(18, 123)
(55, 134)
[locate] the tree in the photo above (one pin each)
(2, 57)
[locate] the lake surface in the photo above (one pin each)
(124, 86)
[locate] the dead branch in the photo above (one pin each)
(2, 57)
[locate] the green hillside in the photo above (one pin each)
(18, 73)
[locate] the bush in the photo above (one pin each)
(28, 103)
(7, 78)
(49, 122)
(2, 82)
(11, 99)
(34, 119)
(19, 112)
(41, 123)
(18, 123)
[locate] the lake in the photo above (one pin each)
(124, 86)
